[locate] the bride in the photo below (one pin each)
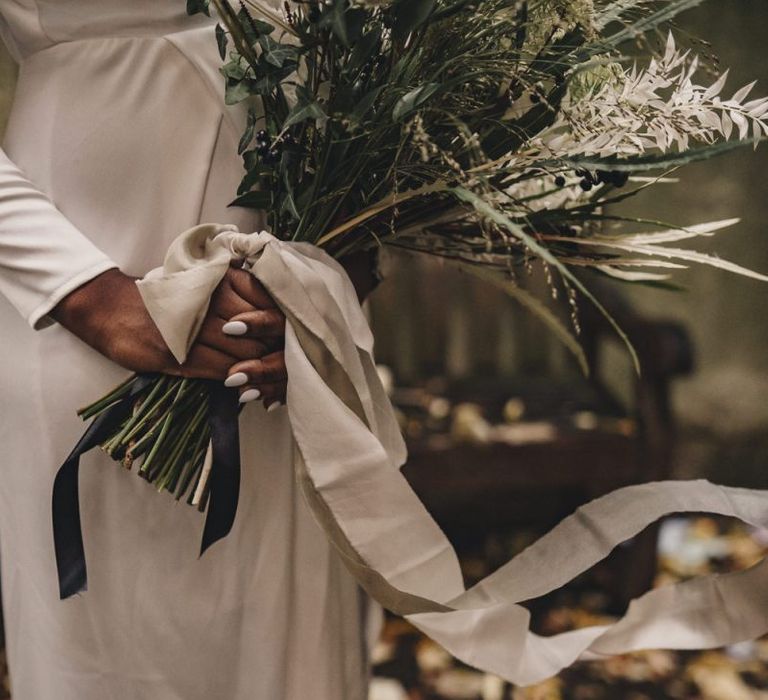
(119, 140)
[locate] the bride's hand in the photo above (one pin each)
(243, 328)
(264, 376)
(254, 328)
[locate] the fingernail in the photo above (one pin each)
(236, 379)
(249, 395)
(274, 406)
(235, 328)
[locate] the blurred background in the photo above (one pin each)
(507, 436)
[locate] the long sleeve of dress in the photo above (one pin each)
(43, 256)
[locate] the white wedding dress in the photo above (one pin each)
(118, 141)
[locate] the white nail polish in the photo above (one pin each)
(274, 406)
(236, 379)
(235, 328)
(249, 395)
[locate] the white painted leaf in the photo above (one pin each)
(741, 94)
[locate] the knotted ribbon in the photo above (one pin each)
(349, 450)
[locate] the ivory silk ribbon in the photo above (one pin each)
(349, 450)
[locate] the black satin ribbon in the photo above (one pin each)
(224, 409)
(224, 493)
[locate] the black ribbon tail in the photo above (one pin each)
(224, 489)
(67, 530)
(225, 470)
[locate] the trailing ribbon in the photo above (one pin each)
(225, 480)
(347, 458)
(224, 409)
(67, 531)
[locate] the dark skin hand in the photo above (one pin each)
(124, 332)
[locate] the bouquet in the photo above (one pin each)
(495, 134)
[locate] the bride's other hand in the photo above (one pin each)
(260, 375)
(264, 377)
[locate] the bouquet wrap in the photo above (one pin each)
(347, 458)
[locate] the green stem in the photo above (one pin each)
(105, 402)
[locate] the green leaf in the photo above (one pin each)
(289, 207)
(249, 180)
(364, 105)
(195, 7)
(251, 159)
(221, 41)
(253, 28)
(409, 15)
(247, 136)
(271, 78)
(413, 100)
(335, 17)
(253, 200)
(234, 70)
(275, 53)
(363, 51)
(306, 108)
(236, 91)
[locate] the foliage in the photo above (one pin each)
(368, 118)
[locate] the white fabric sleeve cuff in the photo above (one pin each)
(43, 256)
(40, 319)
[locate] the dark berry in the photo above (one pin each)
(263, 150)
(535, 98)
(262, 135)
(585, 185)
(560, 181)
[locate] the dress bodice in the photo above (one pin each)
(124, 96)
(32, 25)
